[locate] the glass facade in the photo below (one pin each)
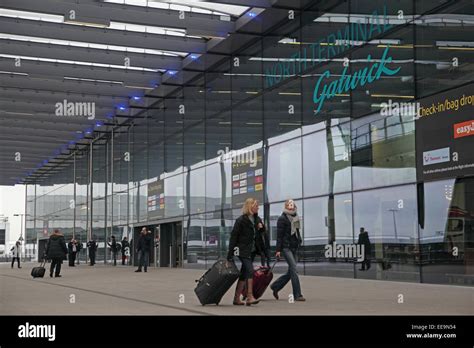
(347, 164)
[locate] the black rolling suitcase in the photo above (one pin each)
(216, 281)
(38, 272)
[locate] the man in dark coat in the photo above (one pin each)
(144, 247)
(114, 248)
(365, 241)
(56, 250)
(92, 245)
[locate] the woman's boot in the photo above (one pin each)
(238, 292)
(250, 299)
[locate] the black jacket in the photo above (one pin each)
(364, 239)
(125, 244)
(92, 245)
(56, 247)
(242, 237)
(113, 246)
(70, 245)
(145, 243)
(284, 237)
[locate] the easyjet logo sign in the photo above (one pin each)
(463, 129)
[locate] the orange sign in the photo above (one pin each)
(463, 129)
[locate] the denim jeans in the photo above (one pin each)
(246, 272)
(144, 259)
(291, 274)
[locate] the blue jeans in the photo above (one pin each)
(246, 272)
(144, 259)
(291, 258)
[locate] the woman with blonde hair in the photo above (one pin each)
(242, 245)
(288, 242)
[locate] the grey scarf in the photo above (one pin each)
(294, 219)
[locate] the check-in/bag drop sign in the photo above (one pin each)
(346, 83)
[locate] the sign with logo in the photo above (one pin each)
(247, 178)
(436, 156)
(444, 127)
(156, 200)
(463, 129)
(335, 44)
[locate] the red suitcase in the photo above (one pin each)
(262, 276)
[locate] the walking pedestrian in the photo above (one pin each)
(16, 253)
(288, 242)
(56, 250)
(242, 245)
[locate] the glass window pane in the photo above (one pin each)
(327, 220)
(447, 236)
(284, 171)
(326, 161)
(390, 217)
(383, 151)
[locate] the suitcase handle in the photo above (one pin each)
(43, 262)
(202, 277)
(269, 269)
(273, 266)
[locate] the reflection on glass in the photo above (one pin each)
(326, 161)
(390, 218)
(383, 151)
(174, 196)
(447, 236)
(284, 171)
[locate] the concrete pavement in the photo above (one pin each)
(108, 290)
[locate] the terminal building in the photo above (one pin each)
(168, 115)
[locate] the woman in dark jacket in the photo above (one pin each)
(242, 244)
(288, 242)
(56, 250)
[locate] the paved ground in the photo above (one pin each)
(118, 290)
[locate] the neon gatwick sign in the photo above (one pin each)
(351, 35)
(346, 83)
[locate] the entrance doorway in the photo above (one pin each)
(171, 245)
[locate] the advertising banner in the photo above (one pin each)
(247, 176)
(445, 135)
(156, 200)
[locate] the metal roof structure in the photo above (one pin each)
(112, 53)
(125, 56)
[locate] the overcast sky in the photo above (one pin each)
(12, 201)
